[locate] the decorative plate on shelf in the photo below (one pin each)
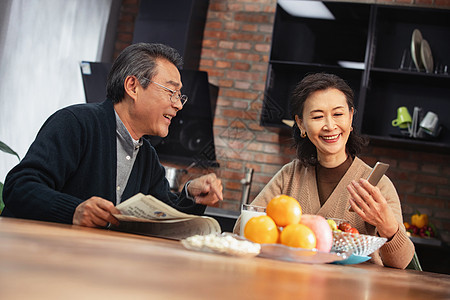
(426, 56)
(415, 48)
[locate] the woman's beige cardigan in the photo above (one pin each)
(299, 182)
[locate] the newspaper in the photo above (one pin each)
(144, 214)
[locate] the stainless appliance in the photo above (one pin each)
(174, 176)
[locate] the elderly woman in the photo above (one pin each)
(327, 177)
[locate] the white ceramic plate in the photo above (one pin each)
(426, 56)
(415, 48)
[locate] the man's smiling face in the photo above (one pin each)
(153, 108)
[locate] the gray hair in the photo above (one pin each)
(138, 60)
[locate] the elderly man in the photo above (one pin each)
(89, 157)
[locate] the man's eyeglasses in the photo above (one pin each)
(176, 95)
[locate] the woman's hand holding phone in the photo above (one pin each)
(368, 202)
(375, 176)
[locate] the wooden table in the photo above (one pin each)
(41, 260)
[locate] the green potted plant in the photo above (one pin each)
(7, 149)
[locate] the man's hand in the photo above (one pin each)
(206, 189)
(95, 212)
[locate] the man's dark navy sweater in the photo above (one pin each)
(73, 158)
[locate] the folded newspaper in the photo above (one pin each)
(144, 214)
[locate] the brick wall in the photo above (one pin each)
(235, 53)
(422, 180)
(125, 25)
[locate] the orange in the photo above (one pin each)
(284, 210)
(262, 230)
(298, 236)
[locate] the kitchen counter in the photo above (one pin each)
(42, 260)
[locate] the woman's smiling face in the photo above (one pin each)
(327, 121)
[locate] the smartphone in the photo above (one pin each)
(377, 172)
(375, 176)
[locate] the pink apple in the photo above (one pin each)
(321, 229)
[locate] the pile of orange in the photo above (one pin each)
(281, 225)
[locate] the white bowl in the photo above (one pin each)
(361, 244)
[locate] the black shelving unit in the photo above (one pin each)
(378, 39)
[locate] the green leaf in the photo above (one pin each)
(7, 149)
(2, 205)
(433, 227)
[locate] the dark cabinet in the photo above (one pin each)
(177, 23)
(369, 46)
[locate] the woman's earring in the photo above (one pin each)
(303, 134)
